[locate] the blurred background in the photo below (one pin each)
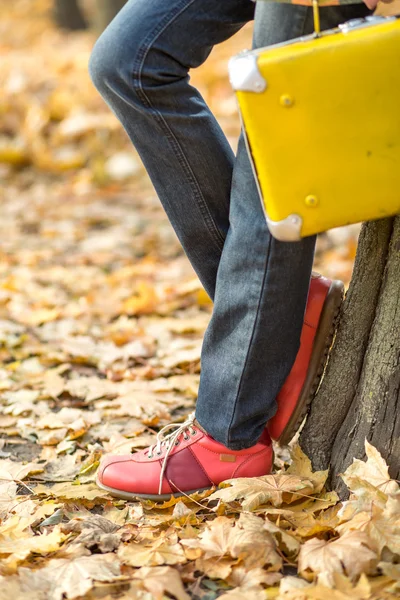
(77, 206)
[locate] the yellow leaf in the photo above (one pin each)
(68, 491)
(301, 466)
(159, 553)
(143, 302)
(19, 549)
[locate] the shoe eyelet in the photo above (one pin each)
(149, 456)
(158, 453)
(177, 443)
(194, 432)
(186, 438)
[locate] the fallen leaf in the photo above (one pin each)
(161, 552)
(158, 580)
(255, 491)
(381, 525)
(95, 532)
(374, 471)
(246, 540)
(66, 578)
(301, 467)
(350, 555)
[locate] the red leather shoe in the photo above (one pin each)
(186, 460)
(324, 300)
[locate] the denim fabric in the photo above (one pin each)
(140, 65)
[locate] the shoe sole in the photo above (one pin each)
(155, 497)
(322, 343)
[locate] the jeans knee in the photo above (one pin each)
(106, 65)
(129, 65)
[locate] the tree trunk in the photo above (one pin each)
(106, 11)
(359, 396)
(68, 15)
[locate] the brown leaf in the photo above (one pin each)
(245, 540)
(66, 578)
(349, 555)
(381, 525)
(158, 580)
(374, 472)
(94, 532)
(255, 491)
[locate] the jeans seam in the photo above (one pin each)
(251, 338)
(141, 57)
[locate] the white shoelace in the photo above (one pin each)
(170, 440)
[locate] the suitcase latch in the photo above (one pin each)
(354, 24)
(245, 75)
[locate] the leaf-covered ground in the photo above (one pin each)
(101, 322)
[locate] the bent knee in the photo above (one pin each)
(109, 62)
(129, 59)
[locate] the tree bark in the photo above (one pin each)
(68, 15)
(359, 395)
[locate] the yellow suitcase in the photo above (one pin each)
(321, 116)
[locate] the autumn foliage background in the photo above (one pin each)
(101, 322)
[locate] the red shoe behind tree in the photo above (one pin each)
(324, 300)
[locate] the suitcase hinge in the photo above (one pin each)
(244, 74)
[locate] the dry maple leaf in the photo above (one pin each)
(86, 492)
(393, 572)
(246, 579)
(94, 532)
(160, 552)
(254, 491)
(294, 588)
(240, 594)
(19, 549)
(11, 470)
(374, 471)
(301, 466)
(158, 580)
(246, 540)
(381, 525)
(349, 555)
(70, 578)
(63, 468)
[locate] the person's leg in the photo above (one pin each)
(262, 284)
(140, 65)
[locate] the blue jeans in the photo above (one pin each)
(259, 286)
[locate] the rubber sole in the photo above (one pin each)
(155, 497)
(322, 343)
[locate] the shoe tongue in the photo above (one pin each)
(197, 424)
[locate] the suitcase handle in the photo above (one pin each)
(317, 23)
